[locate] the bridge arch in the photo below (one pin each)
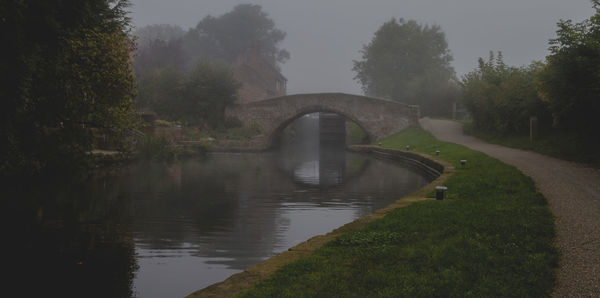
(379, 118)
(309, 110)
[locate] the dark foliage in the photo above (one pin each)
(197, 98)
(570, 82)
(501, 98)
(69, 65)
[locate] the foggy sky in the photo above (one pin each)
(325, 36)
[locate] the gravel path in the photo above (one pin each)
(573, 193)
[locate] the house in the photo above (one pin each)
(259, 76)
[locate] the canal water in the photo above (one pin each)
(167, 230)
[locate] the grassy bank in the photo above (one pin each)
(560, 145)
(492, 237)
(355, 134)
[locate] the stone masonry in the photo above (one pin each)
(379, 118)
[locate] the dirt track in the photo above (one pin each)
(573, 193)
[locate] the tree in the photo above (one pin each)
(185, 76)
(165, 32)
(197, 98)
(408, 62)
(159, 53)
(228, 36)
(159, 46)
(570, 82)
(207, 91)
(70, 69)
(159, 88)
(501, 98)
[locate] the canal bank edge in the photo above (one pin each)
(263, 270)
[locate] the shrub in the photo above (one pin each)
(153, 147)
(501, 98)
(569, 82)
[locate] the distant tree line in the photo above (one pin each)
(66, 68)
(186, 75)
(563, 92)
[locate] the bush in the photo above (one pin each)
(153, 147)
(501, 98)
(244, 132)
(570, 81)
(163, 123)
(232, 123)
(195, 98)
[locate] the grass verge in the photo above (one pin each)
(491, 237)
(560, 145)
(355, 134)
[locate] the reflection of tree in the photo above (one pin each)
(380, 183)
(72, 240)
(217, 205)
(190, 192)
(355, 165)
(228, 209)
(255, 189)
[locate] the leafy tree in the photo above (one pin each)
(70, 69)
(570, 82)
(159, 88)
(206, 92)
(501, 98)
(228, 36)
(197, 98)
(408, 62)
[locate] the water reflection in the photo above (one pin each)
(324, 168)
(69, 241)
(313, 150)
(157, 230)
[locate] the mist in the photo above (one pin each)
(324, 37)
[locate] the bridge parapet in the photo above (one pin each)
(379, 118)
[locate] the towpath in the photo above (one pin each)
(573, 194)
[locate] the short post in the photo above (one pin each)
(439, 192)
(454, 110)
(407, 147)
(533, 124)
(379, 144)
(437, 152)
(463, 162)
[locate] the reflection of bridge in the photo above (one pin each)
(379, 118)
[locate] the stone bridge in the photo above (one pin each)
(379, 118)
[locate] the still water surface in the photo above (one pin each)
(166, 230)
